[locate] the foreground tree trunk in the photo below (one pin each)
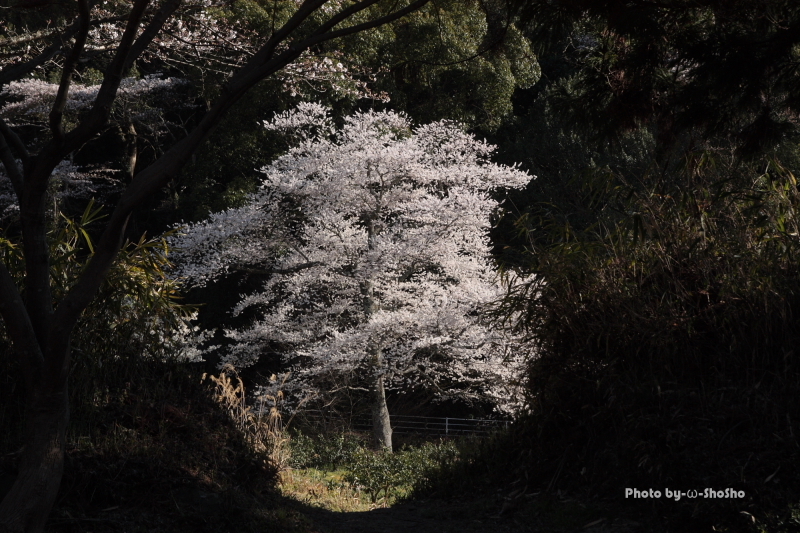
(39, 327)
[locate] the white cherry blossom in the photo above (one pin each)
(373, 239)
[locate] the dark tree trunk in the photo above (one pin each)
(27, 505)
(40, 334)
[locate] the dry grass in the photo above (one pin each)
(264, 432)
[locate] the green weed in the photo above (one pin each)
(340, 472)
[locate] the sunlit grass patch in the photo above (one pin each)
(326, 489)
(340, 473)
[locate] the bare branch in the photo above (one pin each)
(344, 14)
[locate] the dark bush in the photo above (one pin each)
(666, 337)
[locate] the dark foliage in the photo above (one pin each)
(722, 68)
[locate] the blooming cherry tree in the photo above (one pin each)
(389, 270)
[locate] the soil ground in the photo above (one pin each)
(478, 516)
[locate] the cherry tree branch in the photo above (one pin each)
(28, 37)
(20, 70)
(39, 301)
(282, 271)
(57, 111)
(391, 17)
(147, 36)
(266, 52)
(101, 109)
(348, 388)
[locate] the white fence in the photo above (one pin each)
(421, 425)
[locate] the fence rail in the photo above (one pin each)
(421, 425)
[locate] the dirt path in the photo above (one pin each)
(460, 517)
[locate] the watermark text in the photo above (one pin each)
(676, 495)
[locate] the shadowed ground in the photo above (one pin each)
(433, 516)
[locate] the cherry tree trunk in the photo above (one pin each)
(381, 423)
(26, 506)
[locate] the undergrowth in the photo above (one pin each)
(667, 334)
(340, 472)
(150, 445)
(163, 456)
